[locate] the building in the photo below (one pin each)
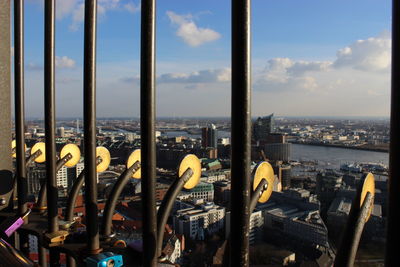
(62, 177)
(214, 176)
(255, 227)
(61, 132)
(338, 213)
(285, 174)
(73, 173)
(278, 151)
(328, 183)
(222, 192)
(256, 224)
(204, 191)
(209, 136)
(294, 214)
(172, 248)
(262, 127)
(199, 221)
(35, 175)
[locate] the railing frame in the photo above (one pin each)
(147, 128)
(241, 131)
(393, 231)
(89, 107)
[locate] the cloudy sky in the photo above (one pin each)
(309, 57)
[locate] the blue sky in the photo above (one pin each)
(310, 57)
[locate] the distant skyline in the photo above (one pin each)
(309, 58)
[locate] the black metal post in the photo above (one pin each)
(42, 260)
(167, 204)
(147, 126)
(392, 230)
(49, 111)
(50, 121)
(22, 184)
(241, 131)
(113, 198)
(89, 80)
(261, 187)
(19, 104)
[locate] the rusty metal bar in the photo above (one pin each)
(50, 121)
(22, 183)
(241, 131)
(116, 191)
(261, 187)
(167, 205)
(89, 80)
(147, 127)
(20, 104)
(49, 114)
(354, 228)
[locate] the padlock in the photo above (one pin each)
(55, 238)
(11, 224)
(106, 259)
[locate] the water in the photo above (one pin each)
(327, 157)
(181, 133)
(333, 157)
(221, 134)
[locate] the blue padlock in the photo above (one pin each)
(106, 259)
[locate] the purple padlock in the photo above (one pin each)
(9, 226)
(14, 227)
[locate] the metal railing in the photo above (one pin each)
(241, 148)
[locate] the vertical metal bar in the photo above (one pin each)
(241, 131)
(6, 176)
(89, 87)
(42, 260)
(393, 231)
(50, 121)
(147, 126)
(20, 103)
(49, 114)
(22, 184)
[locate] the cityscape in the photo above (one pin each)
(300, 224)
(174, 133)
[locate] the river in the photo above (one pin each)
(327, 157)
(334, 156)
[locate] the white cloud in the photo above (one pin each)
(64, 62)
(34, 66)
(190, 32)
(78, 15)
(202, 76)
(75, 9)
(132, 8)
(300, 67)
(372, 54)
(283, 74)
(65, 8)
